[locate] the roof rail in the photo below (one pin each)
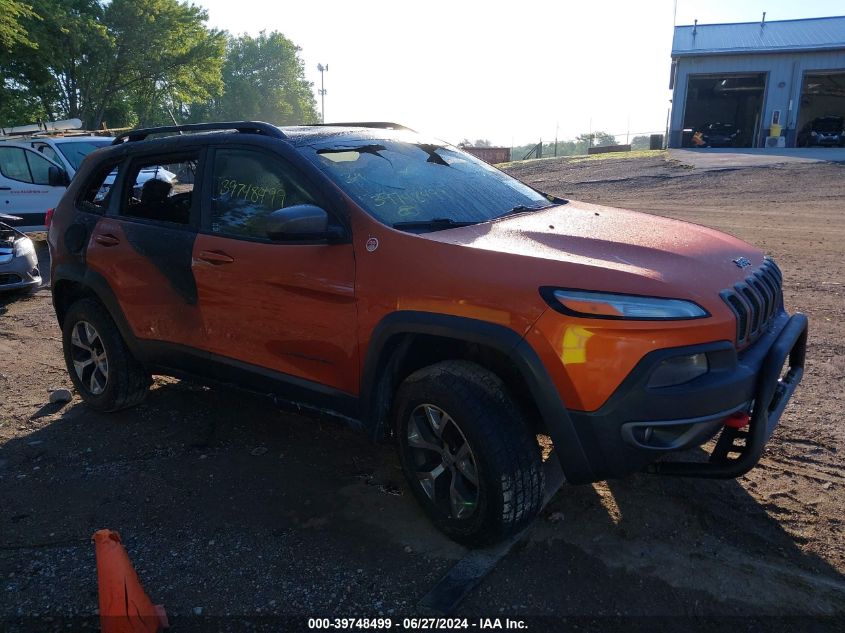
(244, 127)
(383, 125)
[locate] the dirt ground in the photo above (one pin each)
(230, 507)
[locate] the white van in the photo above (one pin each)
(30, 183)
(25, 187)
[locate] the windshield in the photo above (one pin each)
(414, 183)
(75, 151)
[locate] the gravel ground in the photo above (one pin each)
(228, 506)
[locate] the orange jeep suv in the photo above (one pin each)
(368, 272)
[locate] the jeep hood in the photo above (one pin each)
(620, 250)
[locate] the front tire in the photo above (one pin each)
(100, 365)
(467, 452)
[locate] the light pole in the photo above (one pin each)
(322, 91)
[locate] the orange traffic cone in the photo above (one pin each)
(124, 607)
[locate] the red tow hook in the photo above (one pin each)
(737, 420)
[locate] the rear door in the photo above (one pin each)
(144, 245)
(25, 189)
(284, 306)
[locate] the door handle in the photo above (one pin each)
(5, 188)
(215, 257)
(106, 239)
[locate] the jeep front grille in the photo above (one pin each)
(755, 302)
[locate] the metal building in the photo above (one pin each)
(752, 79)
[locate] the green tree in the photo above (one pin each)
(58, 72)
(263, 79)
(481, 142)
(164, 59)
(134, 59)
(598, 139)
(12, 32)
(640, 142)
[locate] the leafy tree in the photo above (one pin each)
(640, 142)
(12, 32)
(481, 142)
(263, 79)
(134, 59)
(598, 139)
(57, 74)
(164, 58)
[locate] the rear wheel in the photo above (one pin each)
(467, 452)
(100, 365)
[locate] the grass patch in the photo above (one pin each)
(637, 154)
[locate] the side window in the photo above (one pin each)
(39, 167)
(13, 164)
(50, 153)
(96, 194)
(162, 188)
(247, 187)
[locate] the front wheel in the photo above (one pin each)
(467, 452)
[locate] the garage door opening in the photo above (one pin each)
(821, 118)
(723, 110)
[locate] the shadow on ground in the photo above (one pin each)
(228, 505)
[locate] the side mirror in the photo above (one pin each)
(300, 222)
(57, 177)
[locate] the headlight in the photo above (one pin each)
(678, 370)
(24, 247)
(602, 305)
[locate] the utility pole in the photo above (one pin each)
(557, 129)
(322, 91)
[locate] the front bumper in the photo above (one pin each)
(638, 425)
(20, 272)
(827, 141)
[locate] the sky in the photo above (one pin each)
(510, 72)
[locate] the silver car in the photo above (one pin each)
(18, 260)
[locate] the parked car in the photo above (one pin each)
(30, 184)
(18, 260)
(718, 135)
(25, 186)
(68, 151)
(405, 286)
(827, 131)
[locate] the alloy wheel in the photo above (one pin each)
(443, 461)
(89, 357)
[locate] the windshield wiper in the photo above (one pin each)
(436, 224)
(521, 208)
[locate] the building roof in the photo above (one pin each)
(813, 34)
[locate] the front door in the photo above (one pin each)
(284, 306)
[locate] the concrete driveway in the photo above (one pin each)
(722, 158)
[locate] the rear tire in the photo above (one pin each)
(100, 365)
(467, 452)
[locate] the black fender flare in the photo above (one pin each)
(387, 344)
(95, 283)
